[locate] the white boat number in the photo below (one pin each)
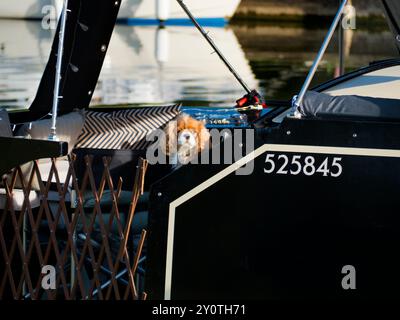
(307, 165)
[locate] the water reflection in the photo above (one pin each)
(24, 50)
(280, 57)
(148, 65)
(152, 65)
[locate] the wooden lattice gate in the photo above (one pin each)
(54, 245)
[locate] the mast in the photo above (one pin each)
(56, 95)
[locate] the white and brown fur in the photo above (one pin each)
(184, 138)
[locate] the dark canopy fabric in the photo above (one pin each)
(392, 12)
(89, 28)
(321, 105)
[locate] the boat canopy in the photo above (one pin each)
(325, 106)
(392, 12)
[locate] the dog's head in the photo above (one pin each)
(185, 137)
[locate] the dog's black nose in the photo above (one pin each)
(187, 137)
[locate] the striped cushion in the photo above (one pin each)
(124, 129)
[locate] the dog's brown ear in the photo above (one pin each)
(168, 142)
(182, 121)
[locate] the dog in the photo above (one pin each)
(184, 138)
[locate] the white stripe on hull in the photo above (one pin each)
(360, 152)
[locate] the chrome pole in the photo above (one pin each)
(214, 46)
(298, 102)
(341, 49)
(56, 95)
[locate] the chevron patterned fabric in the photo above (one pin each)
(124, 129)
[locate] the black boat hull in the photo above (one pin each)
(287, 235)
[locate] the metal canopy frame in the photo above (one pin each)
(299, 100)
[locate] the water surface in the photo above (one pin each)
(149, 65)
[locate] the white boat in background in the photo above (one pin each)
(144, 65)
(209, 12)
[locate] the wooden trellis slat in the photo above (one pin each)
(48, 235)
